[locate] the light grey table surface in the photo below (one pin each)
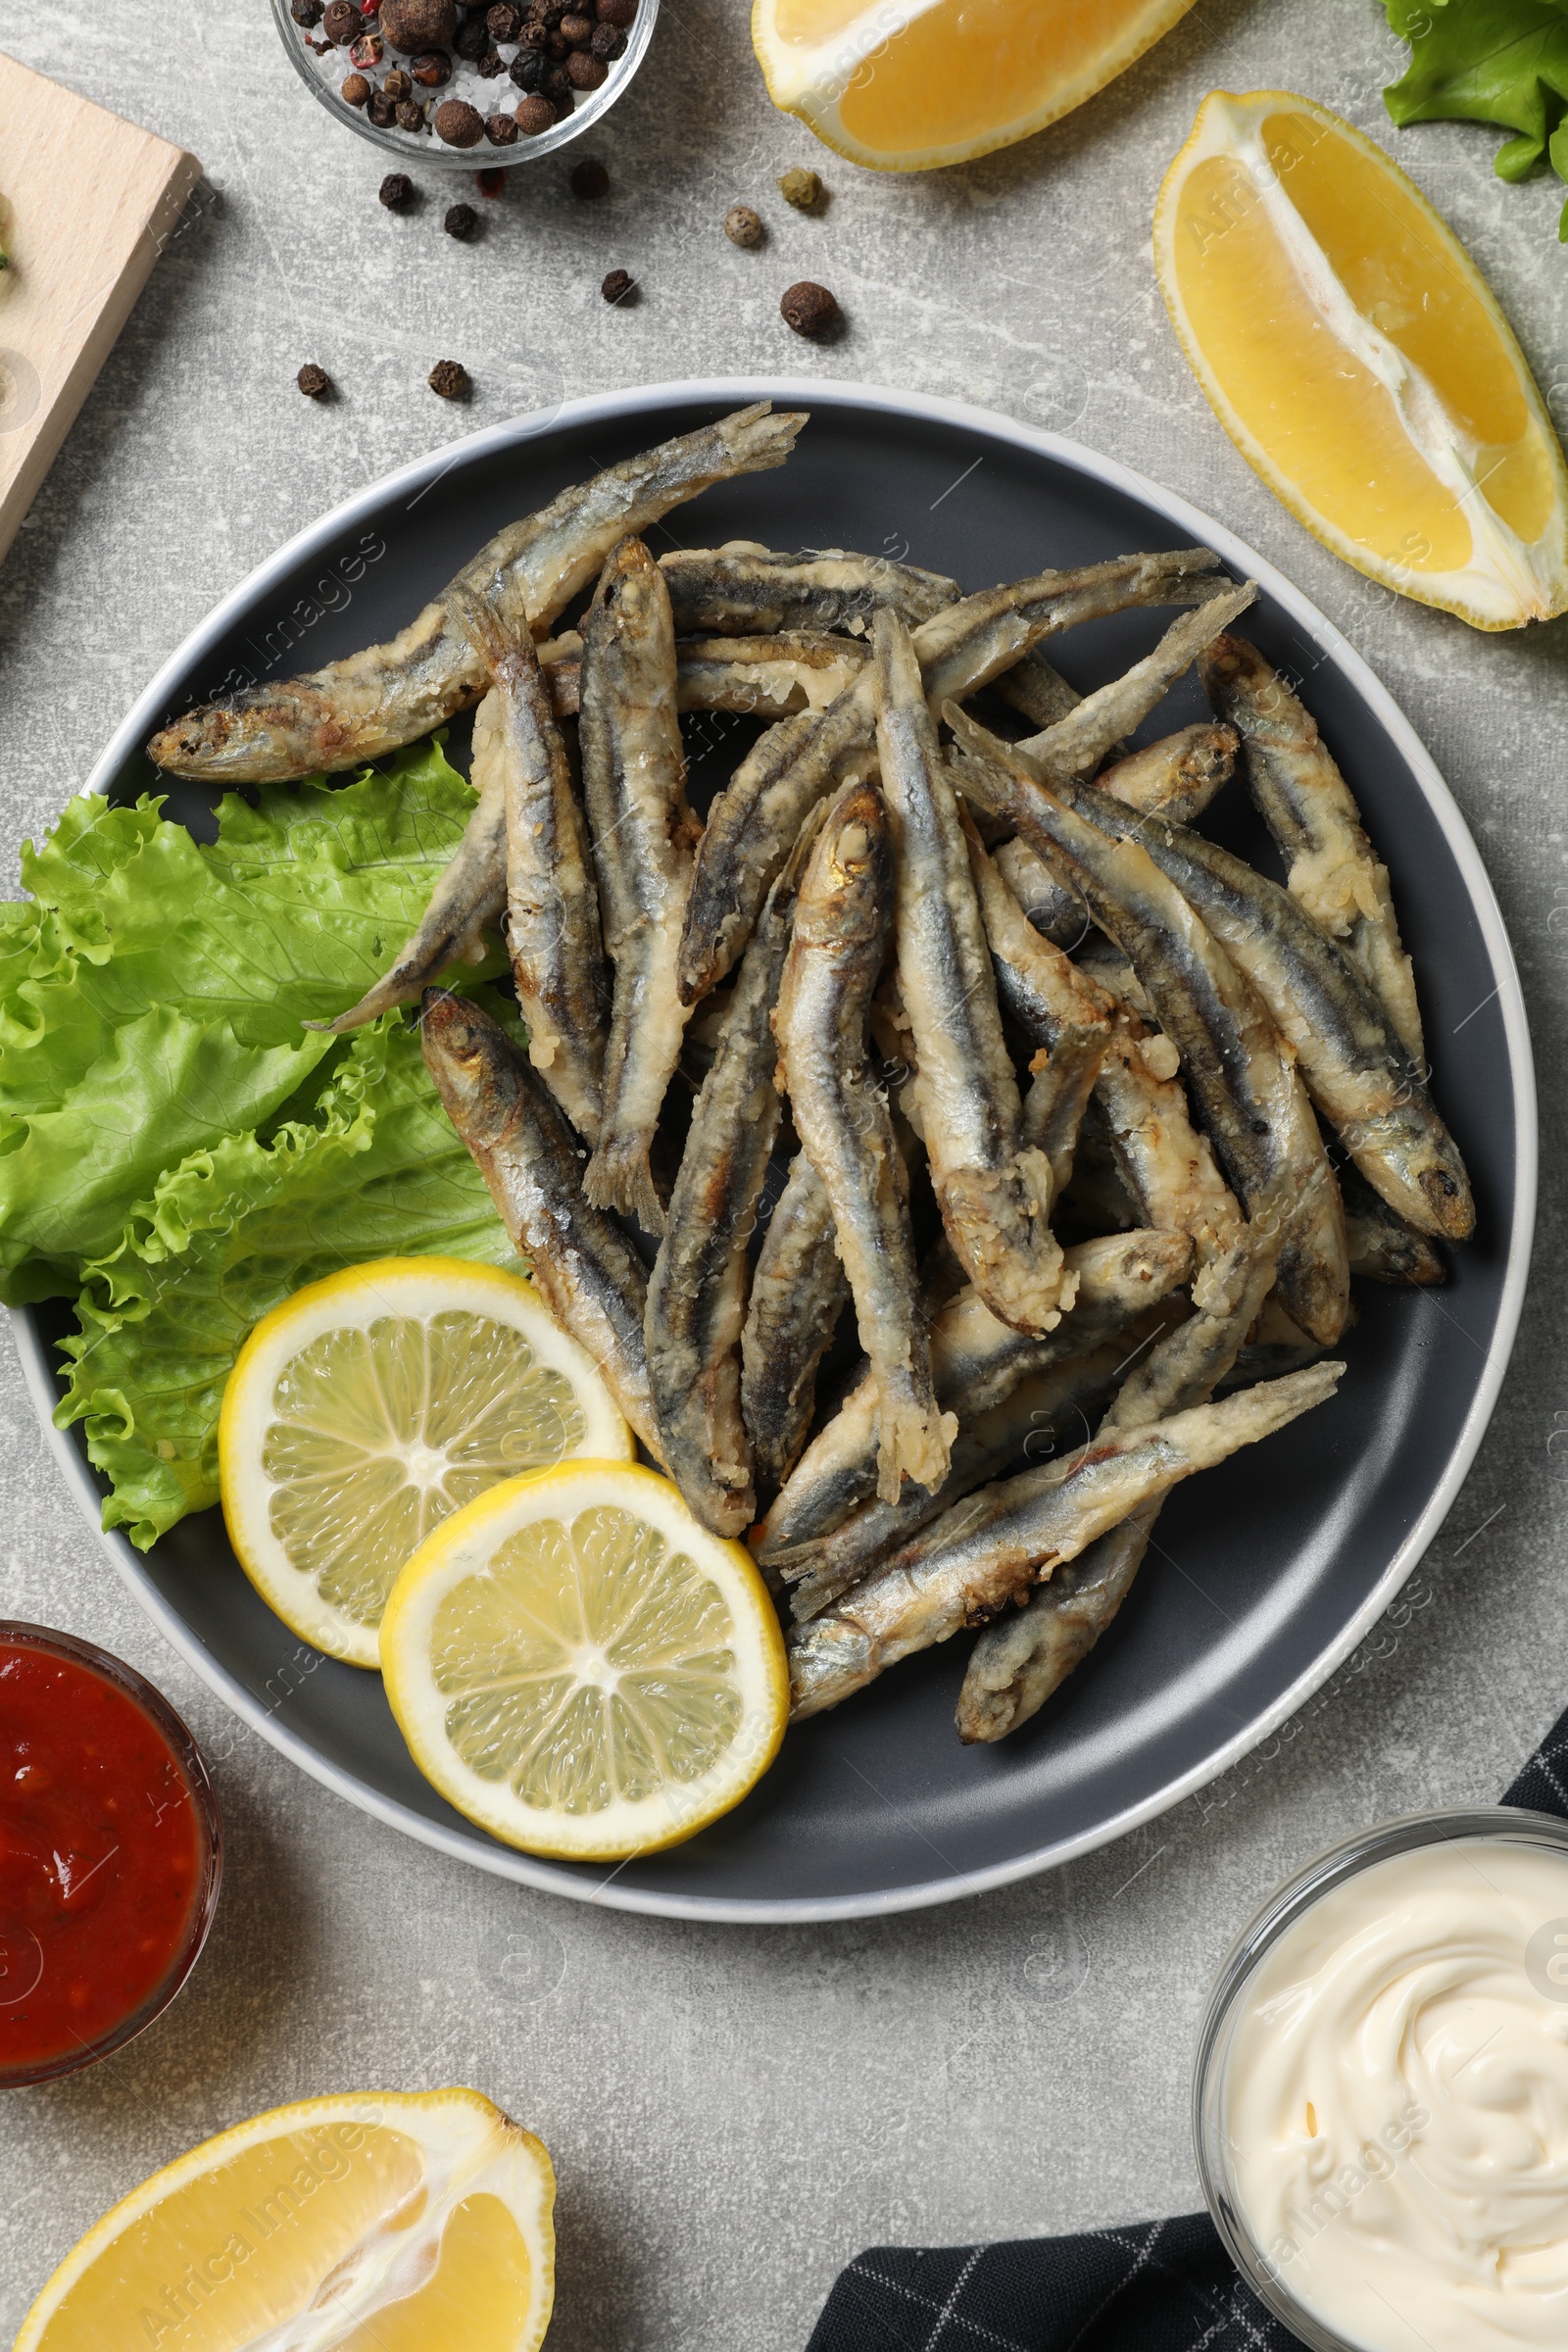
(733, 2112)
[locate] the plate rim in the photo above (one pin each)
(421, 476)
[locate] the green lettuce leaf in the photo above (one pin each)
(152, 989)
(228, 1235)
(1488, 61)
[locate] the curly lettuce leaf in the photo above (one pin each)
(153, 988)
(1488, 61)
(231, 1234)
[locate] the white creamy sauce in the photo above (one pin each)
(1396, 2102)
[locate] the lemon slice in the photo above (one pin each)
(1354, 354)
(904, 85)
(393, 2222)
(581, 1668)
(368, 1407)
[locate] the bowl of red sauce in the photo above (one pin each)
(110, 1853)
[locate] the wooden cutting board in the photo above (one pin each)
(87, 201)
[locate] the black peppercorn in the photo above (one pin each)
(354, 90)
(620, 287)
(529, 69)
(314, 381)
(502, 21)
(534, 115)
(560, 47)
(577, 30)
(381, 110)
(410, 114)
(501, 130)
(460, 220)
(608, 44)
(558, 85)
(459, 123)
(342, 22)
(549, 11)
(450, 378)
(473, 41)
(431, 69)
(586, 72)
(304, 12)
(414, 24)
(616, 12)
(590, 180)
(396, 191)
(492, 65)
(808, 308)
(742, 226)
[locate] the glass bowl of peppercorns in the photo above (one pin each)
(467, 83)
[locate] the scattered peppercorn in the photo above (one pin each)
(608, 42)
(459, 123)
(397, 83)
(586, 72)
(810, 309)
(492, 65)
(616, 12)
(414, 24)
(501, 130)
(576, 29)
(534, 115)
(396, 191)
(460, 220)
(590, 181)
(450, 378)
(355, 89)
(342, 22)
(304, 12)
(620, 287)
(314, 381)
(410, 114)
(431, 69)
(529, 69)
(492, 180)
(502, 21)
(742, 226)
(381, 110)
(801, 188)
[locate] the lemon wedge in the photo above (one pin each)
(1357, 357)
(904, 85)
(370, 1406)
(581, 1668)
(392, 2222)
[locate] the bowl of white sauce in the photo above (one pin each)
(1380, 2098)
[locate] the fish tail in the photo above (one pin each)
(618, 1177)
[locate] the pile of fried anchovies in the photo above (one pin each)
(887, 884)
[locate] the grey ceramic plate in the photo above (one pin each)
(1268, 1570)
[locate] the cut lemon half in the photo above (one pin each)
(392, 2222)
(581, 1668)
(370, 1406)
(904, 85)
(1356, 354)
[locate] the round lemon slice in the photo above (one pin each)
(905, 85)
(370, 1406)
(391, 2222)
(1357, 357)
(581, 1668)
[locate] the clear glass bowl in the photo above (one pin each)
(409, 147)
(1347, 1860)
(193, 1770)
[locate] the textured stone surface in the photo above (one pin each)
(733, 2112)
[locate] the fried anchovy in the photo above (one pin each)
(743, 589)
(755, 819)
(991, 1548)
(471, 893)
(1382, 1247)
(644, 837)
(371, 702)
(1040, 694)
(841, 933)
(697, 1293)
(1077, 744)
(1164, 1164)
(994, 1195)
(798, 1294)
(1249, 1095)
(1357, 1068)
(757, 678)
(976, 1362)
(586, 1272)
(1308, 808)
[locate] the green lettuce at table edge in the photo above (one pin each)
(152, 990)
(231, 1234)
(1488, 61)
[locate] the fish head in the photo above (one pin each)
(473, 1063)
(847, 894)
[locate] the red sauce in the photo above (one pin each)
(106, 1857)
